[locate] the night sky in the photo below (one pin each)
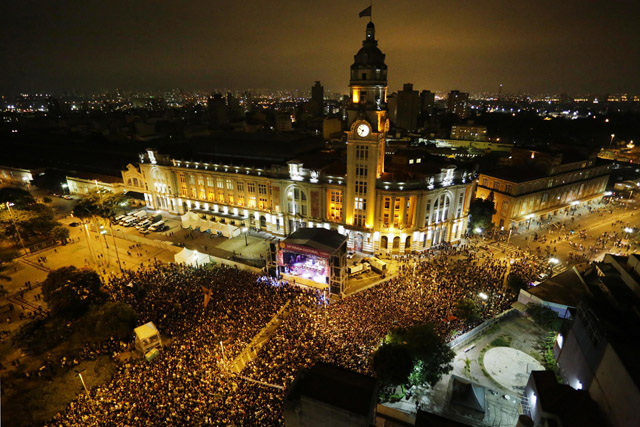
(573, 46)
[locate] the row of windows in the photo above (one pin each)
(222, 184)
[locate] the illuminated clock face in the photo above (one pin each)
(362, 130)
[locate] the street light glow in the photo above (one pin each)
(477, 230)
(483, 296)
(554, 260)
(628, 230)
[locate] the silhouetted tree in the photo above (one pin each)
(69, 291)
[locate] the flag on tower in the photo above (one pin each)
(366, 12)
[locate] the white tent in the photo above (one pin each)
(193, 220)
(147, 337)
(191, 257)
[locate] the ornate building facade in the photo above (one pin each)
(536, 186)
(408, 205)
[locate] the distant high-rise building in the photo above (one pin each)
(407, 114)
(427, 102)
(317, 95)
(457, 103)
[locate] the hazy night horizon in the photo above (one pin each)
(541, 47)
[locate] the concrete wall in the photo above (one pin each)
(615, 392)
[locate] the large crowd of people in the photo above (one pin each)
(190, 383)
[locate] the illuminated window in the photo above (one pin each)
(221, 197)
(335, 205)
(210, 182)
(262, 189)
(193, 193)
(203, 194)
(240, 186)
(251, 187)
(252, 201)
(211, 196)
(220, 183)
(200, 180)
(297, 202)
(262, 203)
(240, 199)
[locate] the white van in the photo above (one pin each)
(143, 224)
(140, 214)
(156, 225)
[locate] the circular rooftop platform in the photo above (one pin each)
(510, 367)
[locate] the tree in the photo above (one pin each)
(481, 212)
(60, 233)
(19, 197)
(392, 363)
(99, 205)
(516, 282)
(467, 309)
(69, 291)
(543, 316)
(431, 356)
(112, 319)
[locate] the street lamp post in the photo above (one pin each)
(613, 135)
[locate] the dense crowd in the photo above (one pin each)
(190, 383)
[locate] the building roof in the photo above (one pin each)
(317, 238)
(244, 148)
(566, 288)
(110, 179)
(335, 386)
(428, 419)
(573, 407)
(468, 394)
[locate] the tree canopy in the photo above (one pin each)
(431, 356)
(543, 316)
(100, 205)
(467, 309)
(19, 197)
(481, 212)
(69, 291)
(392, 363)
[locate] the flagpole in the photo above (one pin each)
(371, 13)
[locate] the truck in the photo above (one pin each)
(377, 265)
(354, 270)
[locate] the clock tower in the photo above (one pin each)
(367, 126)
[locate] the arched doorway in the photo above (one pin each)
(357, 242)
(384, 241)
(263, 221)
(407, 245)
(396, 245)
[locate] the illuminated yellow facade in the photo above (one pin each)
(406, 206)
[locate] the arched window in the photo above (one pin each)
(297, 202)
(441, 208)
(384, 242)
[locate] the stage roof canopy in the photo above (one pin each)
(321, 239)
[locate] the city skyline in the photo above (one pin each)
(541, 47)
